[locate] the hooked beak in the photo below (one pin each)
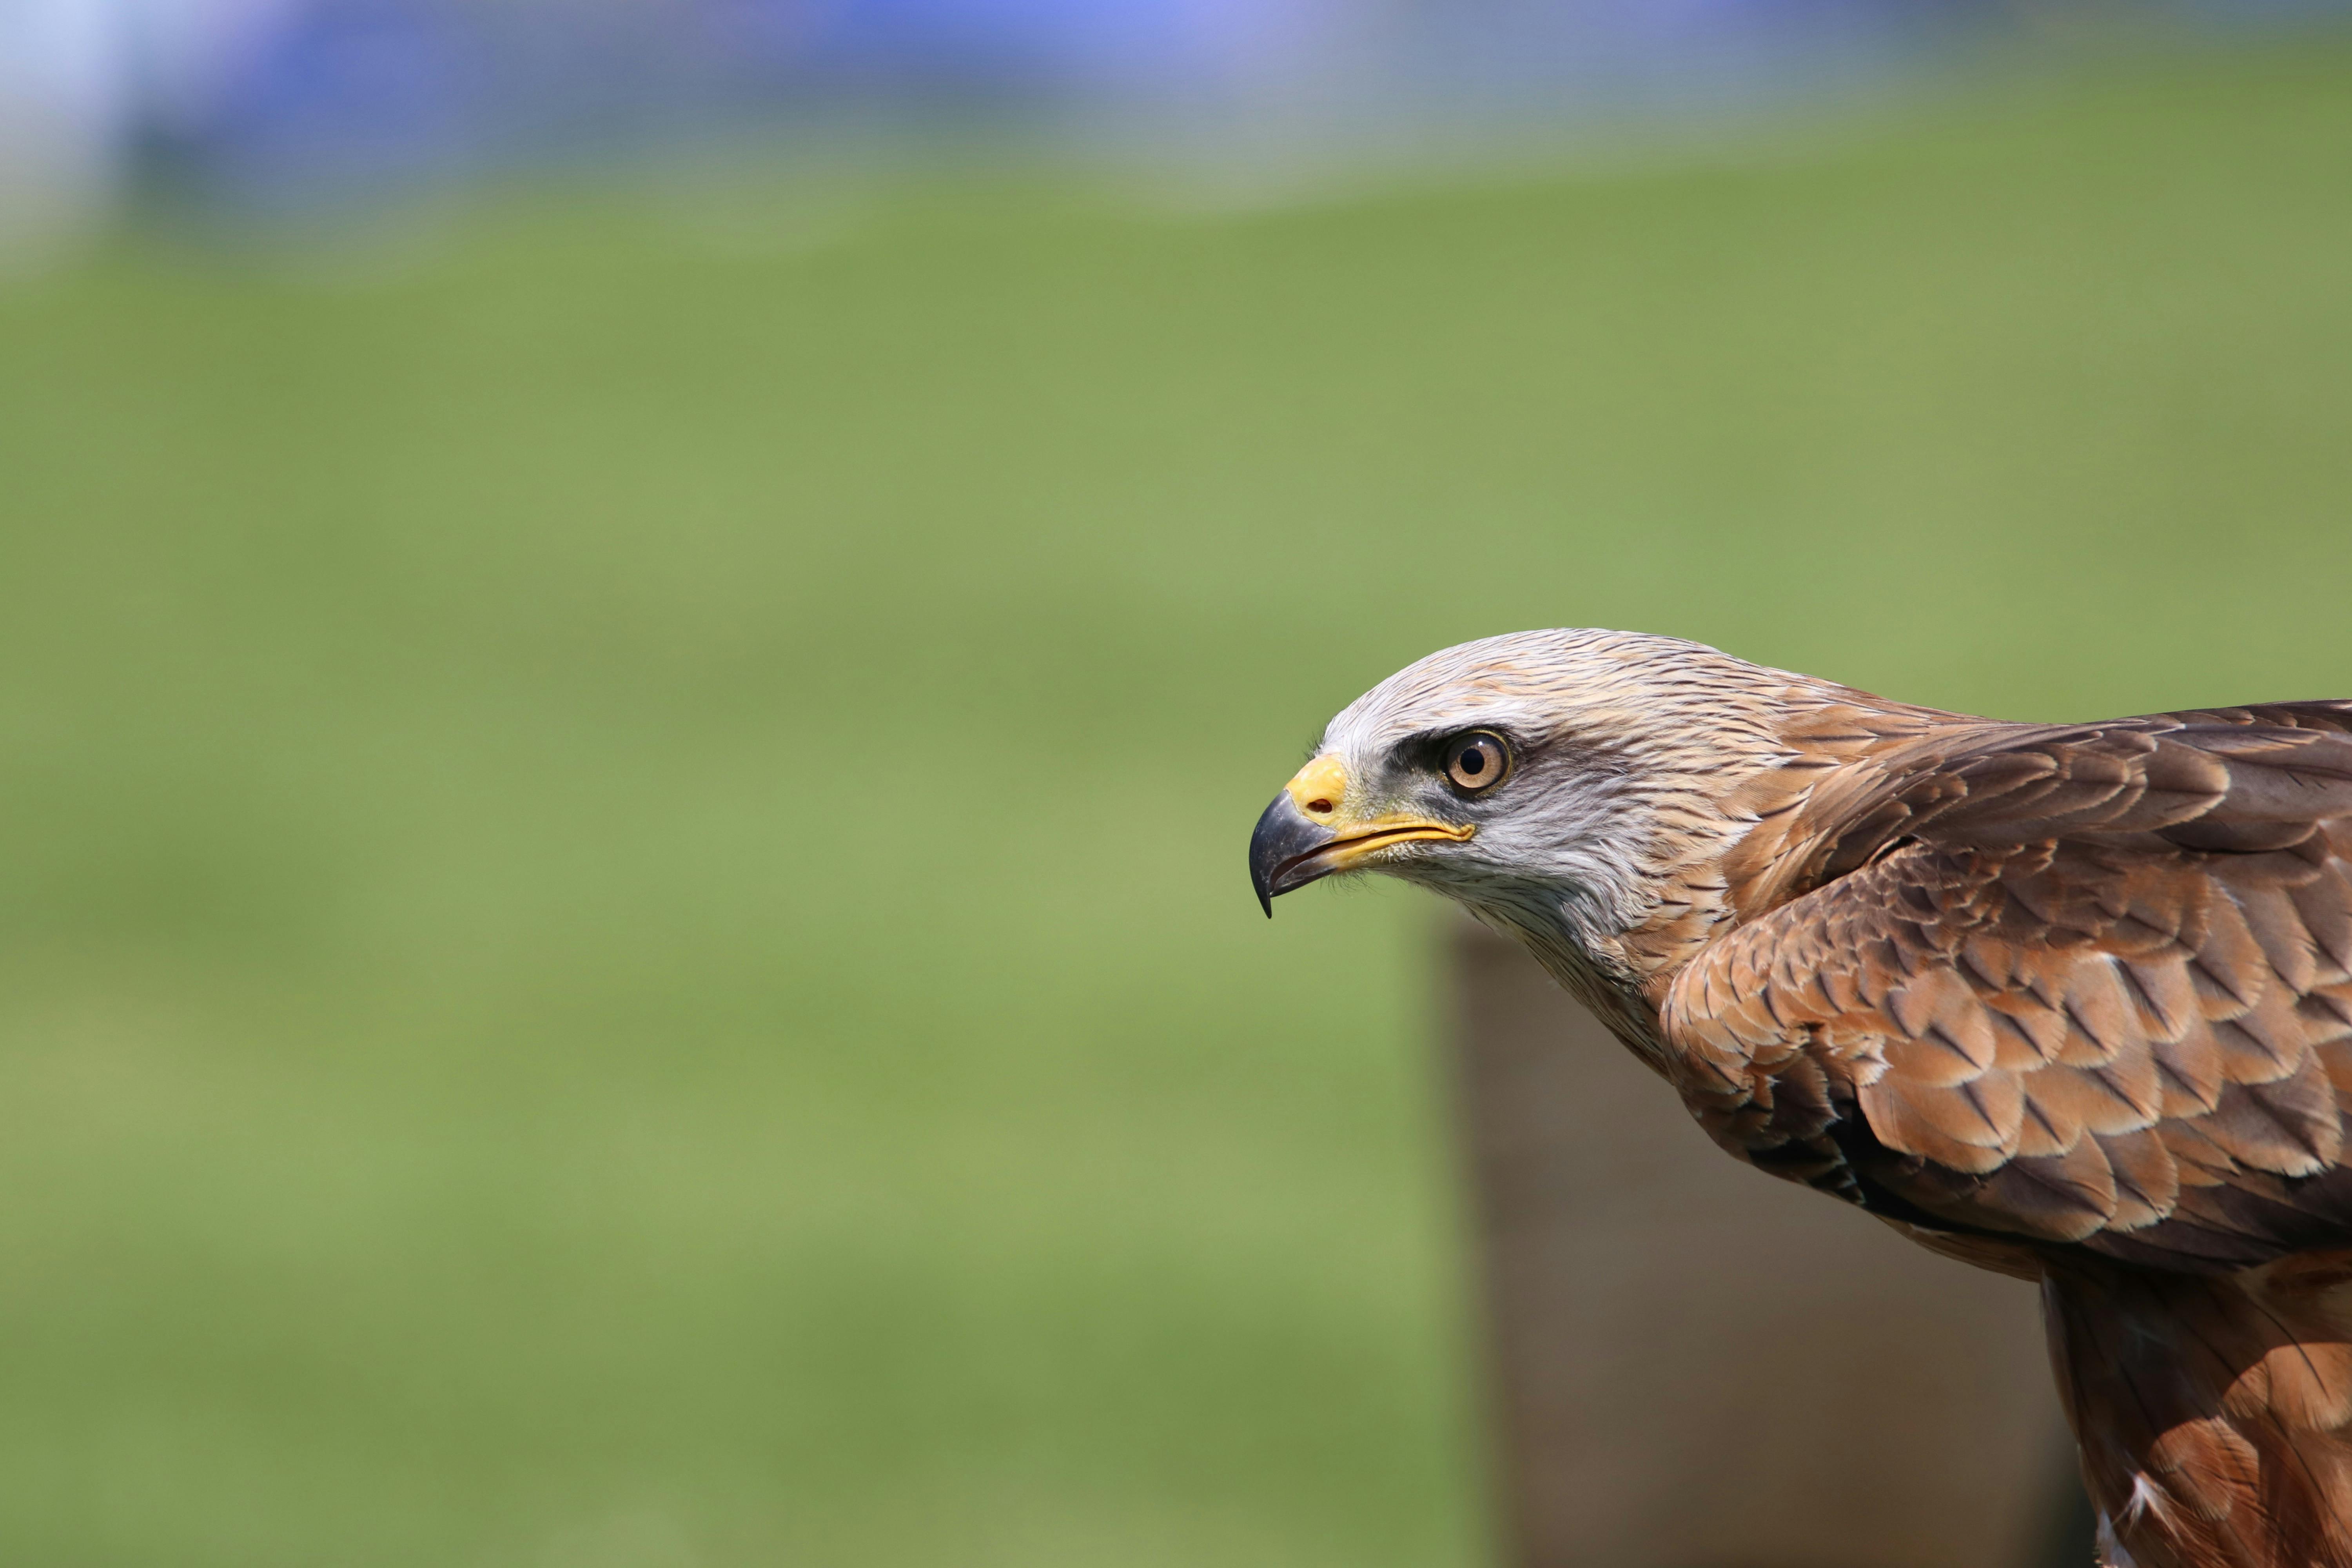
(1308, 835)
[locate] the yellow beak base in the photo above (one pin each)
(1306, 834)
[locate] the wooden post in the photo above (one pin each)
(1694, 1366)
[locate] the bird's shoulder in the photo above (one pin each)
(2083, 984)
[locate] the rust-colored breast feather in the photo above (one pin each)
(2088, 987)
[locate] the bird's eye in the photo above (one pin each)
(1477, 761)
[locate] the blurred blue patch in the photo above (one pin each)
(357, 93)
(347, 100)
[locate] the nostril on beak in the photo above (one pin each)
(1320, 808)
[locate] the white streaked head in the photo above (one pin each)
(1550, 780)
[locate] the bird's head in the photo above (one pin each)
(1570, 785)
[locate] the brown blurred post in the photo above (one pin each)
(1695, 1366)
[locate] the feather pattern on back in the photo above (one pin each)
(2074, 1002)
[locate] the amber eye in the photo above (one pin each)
(1477, 760)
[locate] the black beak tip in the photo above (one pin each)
(1285, 838)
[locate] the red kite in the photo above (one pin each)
(2072, 1002)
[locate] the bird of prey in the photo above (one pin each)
(2072, 1002)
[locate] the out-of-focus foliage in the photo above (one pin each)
(623, 938)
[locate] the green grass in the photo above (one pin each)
(623, 938)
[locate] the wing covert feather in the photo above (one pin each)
(2093, 987)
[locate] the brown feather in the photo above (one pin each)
(2072, 1001)
(2133, 1050)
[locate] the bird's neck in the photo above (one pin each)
(1731, 839)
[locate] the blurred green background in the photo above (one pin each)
(626, 941)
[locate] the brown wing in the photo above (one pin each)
(2089, 985)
